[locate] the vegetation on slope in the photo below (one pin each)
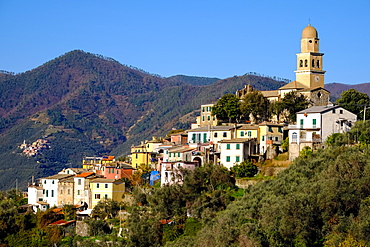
(322, 199)
(97, 106)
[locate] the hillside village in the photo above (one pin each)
(210, 140)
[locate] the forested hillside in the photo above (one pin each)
(321, 200)
(86, 104)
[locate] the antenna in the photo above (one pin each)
(309, 21)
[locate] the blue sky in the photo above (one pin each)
(193, 37)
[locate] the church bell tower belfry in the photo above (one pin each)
(309, 62)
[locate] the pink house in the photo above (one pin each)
(118, 170)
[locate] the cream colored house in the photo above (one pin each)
(104, 188)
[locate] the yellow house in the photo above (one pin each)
(247, 131)
(96, 162)
(104, 188)
(269, 134)
(143, 154)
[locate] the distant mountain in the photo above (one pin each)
(336, 89)
(86, 104)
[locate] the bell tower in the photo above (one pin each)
(309, 62)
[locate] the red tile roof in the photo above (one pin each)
(85, 174)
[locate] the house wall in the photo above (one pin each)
(244, 133)
(34, 195)
(66, 192)
(233, 153)
(51, 191)
(330, 124)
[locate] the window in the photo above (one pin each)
(202, 109)
(228, 146)
(178, 154)
(69, 191)
(314, 123)
(301, 63)
(106, 196)
(318, 64)
(305, 63)
(106, 186)
(43, 192)
(340, 111)
(280, 130)
(294, 137)
(249, 133)
(136, 156)
(224, 134)
(52, 181)
(97, 185)
(241, 133)
(44, 181)
(204, 137)
(78, 192)
(215, 134)
(227, 158)
(237, 146)
(276, 139)
(209, 118)
(313, 63)
(47, 193)
(117, 171)
(333, 111)
(61, 192)
(203, 118)
(301, 123)
(79, 181)
(97, 196)
(270, 129)
(193, 138)
(263, 138)
(237, 158)
(52, 193)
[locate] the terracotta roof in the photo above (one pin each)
(108, 158)
(61, 223)
(85, 174)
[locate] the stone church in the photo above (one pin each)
(309, 74)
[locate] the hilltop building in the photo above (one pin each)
(315, 124)
(309, 74)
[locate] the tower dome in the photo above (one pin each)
(309, 32)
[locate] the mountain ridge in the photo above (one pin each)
(87, 104)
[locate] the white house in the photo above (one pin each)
(237, 150)
(36, 197)
(315, 124)
(171, 171)
(50, 188)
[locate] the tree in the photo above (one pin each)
(227, 107)
(354, 101)
(107, 209)
(294, 102)
(245, 169)
(254, 103)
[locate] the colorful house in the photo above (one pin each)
(315, 124)
(82, 192)
(118, 170)
(237, 150)
(104, 188)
